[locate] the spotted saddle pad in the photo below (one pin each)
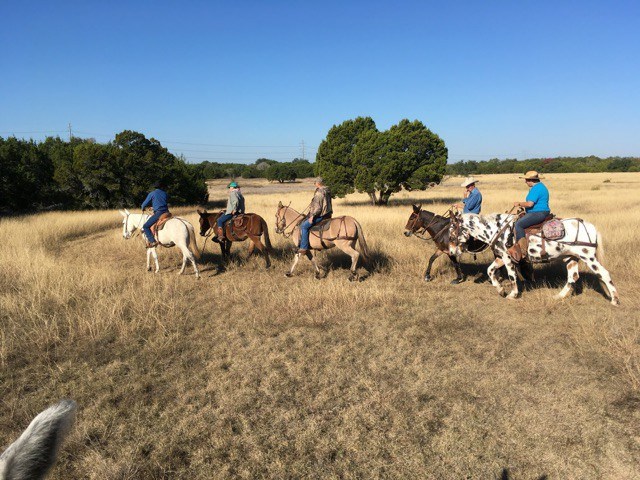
(553, 229)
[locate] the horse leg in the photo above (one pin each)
(296, 259)
(604, 276)
(427, 273)
(257, 243)
(460, 277)
(492, 274)
(511, 272)
(354, 254)
(572, 277)
(148, 259)
(155, 258)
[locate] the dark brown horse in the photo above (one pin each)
(238, 229)
(437, 226)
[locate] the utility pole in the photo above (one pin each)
(70, 134)
(303, 158)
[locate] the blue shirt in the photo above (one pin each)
(158, 200)
(539, 195)
(473, 203)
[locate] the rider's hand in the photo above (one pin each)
(516, 204)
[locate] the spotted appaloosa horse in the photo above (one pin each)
(581, 242)
(34, 452)
(437, 227)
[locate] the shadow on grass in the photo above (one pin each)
(377, 262)
(505, 475)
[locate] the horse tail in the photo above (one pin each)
(265, 232)
(599, 248)
(33, 454)
(362, 243)
(193, 246)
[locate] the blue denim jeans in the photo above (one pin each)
(304, 232)
(223, 218)
(146, 228)
(527, 220)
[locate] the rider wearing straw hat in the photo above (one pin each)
(319, 209)
(235, 206)
(158, 200)
(537, 209)
(472, 202)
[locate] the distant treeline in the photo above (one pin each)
(82, 174)
(272, 170)
(546, 165)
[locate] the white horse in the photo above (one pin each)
(177, 231)
(581, 241)
(34, 452)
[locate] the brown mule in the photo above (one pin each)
(246, 226)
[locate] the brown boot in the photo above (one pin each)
(219, 235)
(518, 251)
(151, 244)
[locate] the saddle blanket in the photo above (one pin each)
(553, 229)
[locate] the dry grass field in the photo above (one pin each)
(248, 374)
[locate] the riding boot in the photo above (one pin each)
(518, 250)
(220, 235)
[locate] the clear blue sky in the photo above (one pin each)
(238, 80)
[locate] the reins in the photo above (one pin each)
(420, 234)
(283, 232)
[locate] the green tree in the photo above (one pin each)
(281, 172)
(408, 156)
(334, 160)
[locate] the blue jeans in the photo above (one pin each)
(304, 232)
(527, 220)
(223, 218)
(146, 228)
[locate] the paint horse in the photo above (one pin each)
(176, 232)
(437, 226)
(34, 452)
(342, 232)
(581, 241)
(238, 229)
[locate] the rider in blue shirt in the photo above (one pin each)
(472, 202)
(537, 209)
(158, 201)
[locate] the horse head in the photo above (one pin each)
(281, 221)
(128, 227)
(415, 222)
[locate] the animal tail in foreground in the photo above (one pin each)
(265, 231)
(362, 243)
(33, 454)
(193, 246)
(599, 248)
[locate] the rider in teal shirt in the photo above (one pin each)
(537, 209)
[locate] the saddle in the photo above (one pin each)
(550, 229)
(159, 225)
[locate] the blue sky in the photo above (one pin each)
(234, 81)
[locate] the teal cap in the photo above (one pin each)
(232, 185)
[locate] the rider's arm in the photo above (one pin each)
(147, 200)
(523, 204)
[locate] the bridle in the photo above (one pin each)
(136, 230)
(419, 233)
(283, 230)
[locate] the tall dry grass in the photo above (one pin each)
(249, 374)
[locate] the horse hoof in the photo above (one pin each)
(288, 274)
(502, 293)
(318, 276)
(353, 277)
(615, 302)
(427, 278)
(456, 281)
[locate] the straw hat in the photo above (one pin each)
(532, 175)
(468, 181)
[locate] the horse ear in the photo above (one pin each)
(280, 204)
(126, 211)
(416, 208)
(122, 213)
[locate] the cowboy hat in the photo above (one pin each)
(468, 181)
(532, 175)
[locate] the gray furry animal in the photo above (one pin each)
(34, 452)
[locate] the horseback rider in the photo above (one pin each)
(537, 210)
(158, 200)
(235, 206)
(319, 209)
(472, 201)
